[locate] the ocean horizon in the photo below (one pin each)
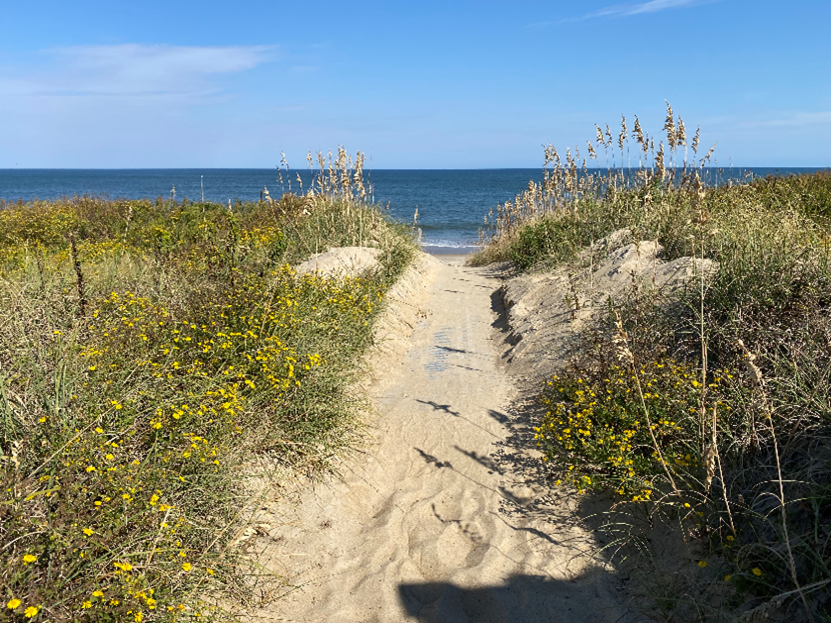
(451, 203)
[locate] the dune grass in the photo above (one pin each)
(709, 412)
(150, 351)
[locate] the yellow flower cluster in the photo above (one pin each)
(598, 425)
(161, 386)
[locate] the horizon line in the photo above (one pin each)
(520, 168)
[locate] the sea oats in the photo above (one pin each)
(669, 126)
(592, 152)
(709, 153)
(623, 131)
(600, 140)
(681, 133)
(659, 161)
(637, 133)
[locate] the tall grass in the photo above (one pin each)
(711, 410)
(150, 352)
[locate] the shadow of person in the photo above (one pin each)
(521, 599)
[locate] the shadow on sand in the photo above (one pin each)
(521, 599)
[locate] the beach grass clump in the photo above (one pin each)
(152, 353)
(708, 408)
(597, 440)
(712, 414)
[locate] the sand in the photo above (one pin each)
(341, 261)
(546, 311)
(443, 517)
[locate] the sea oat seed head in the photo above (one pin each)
(659, 161)
(669, 126)
(709, 153)
(592, 152)
(637, 134)
(681, 133)
(623, 131)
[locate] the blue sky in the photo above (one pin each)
(413, 85)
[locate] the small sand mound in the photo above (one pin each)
(341, 262)
(546, 311)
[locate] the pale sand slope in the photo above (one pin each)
(431, 524)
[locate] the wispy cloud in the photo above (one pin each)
(792, 120)
(623, 10)
(133, 70)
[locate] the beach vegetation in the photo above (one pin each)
(705, 412)
(154, 355)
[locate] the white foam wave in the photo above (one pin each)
(450, 244)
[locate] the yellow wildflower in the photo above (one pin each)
(13, 604)
(31, 611)
(29, 558)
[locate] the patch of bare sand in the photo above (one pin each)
(437, 520)
(341, 261)
(546, 311)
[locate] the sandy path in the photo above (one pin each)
(430, 524)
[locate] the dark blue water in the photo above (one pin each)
(451, 203)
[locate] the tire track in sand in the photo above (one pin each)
(429, 525)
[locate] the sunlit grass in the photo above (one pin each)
(708, 409)
(149, 352)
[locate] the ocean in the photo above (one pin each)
(451, 203)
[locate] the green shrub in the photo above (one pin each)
(620, 427)
(144, 368)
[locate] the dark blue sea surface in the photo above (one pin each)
(451, 203)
